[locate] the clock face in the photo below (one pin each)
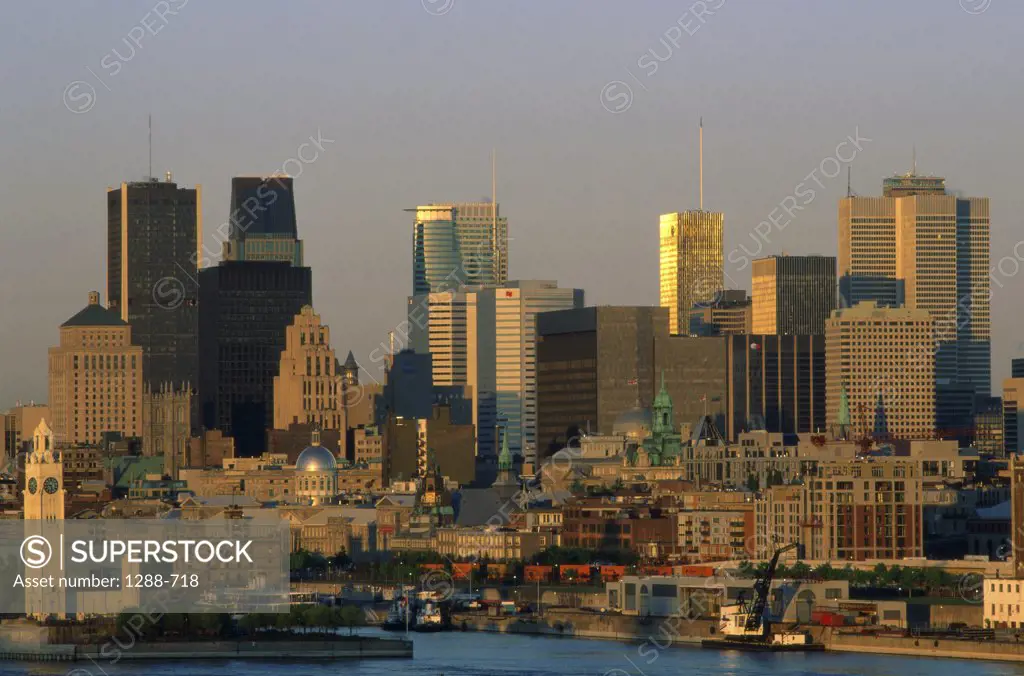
(50, 486)
(33, 486)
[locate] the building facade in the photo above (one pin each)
(793, 295)
(458, 244)
(593, 364)
(154, 246)
(920, 245)
(1013, 416)
(308, 385)
(867, 241)
(95, 376)
(167, 426)
(691, 263)
(246, 308)
(18, 425)
(262, 221)
(437, 324)
(502, 360)
(729, 314)
(880, 371)
(862, 511)
(776, 383)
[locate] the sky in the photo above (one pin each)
(592, 107)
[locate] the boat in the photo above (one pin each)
(398, 615)
(743, 626)
(429, 618)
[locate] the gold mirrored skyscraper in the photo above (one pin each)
(690, 263)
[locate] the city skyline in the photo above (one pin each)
(608, 178)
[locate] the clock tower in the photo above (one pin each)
(44, 510)
(44, 478)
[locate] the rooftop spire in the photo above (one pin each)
(844, 408)
(505, 457)
(702, 164)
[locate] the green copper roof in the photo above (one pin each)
(137, 467)
(663, 399)
(844, 407)
(505, 457)
(95, 315)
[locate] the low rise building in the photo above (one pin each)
(702, 597)
(492, 544)
(716, 535)
(1003, 603)
(866, 509)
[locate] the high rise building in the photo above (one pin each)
(437, 324)
(691, 255)
(729, 314)
(880, 371)
(502, 360)
(458, 244)
(867, 240)
(154, 240)
(1013, 415)
(776, 383)
(95, 377)
(594, 364)
(1017, 368)
(867, 252)
(18, 425)
(747, 382)
(919, 245)
(262, 220)
(942, 244)
(988, 427)
(246, 309)
(793, 295)
(308, 386)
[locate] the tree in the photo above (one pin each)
(297, 617)
(825, 572)
(800, 570)
(173, 624)
(319, 616)
(752, 482)
(350, 616)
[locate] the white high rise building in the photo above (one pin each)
(502, 360)
(485, 338)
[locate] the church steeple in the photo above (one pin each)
(662, 410)
(843, 416)
(505, 456)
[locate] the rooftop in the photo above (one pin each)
(95, 314)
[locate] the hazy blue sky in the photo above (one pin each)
(415, 101)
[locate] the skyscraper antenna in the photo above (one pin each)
(913, 170)
(702, 164)
(150, 177)
(494, 208)
(849, 183)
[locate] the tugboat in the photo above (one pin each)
(744, 626)
(398, 615)
(429, 619)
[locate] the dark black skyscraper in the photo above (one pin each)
(246, 304)
(154, 230)
(262, 220)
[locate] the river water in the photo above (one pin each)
(478, 654)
